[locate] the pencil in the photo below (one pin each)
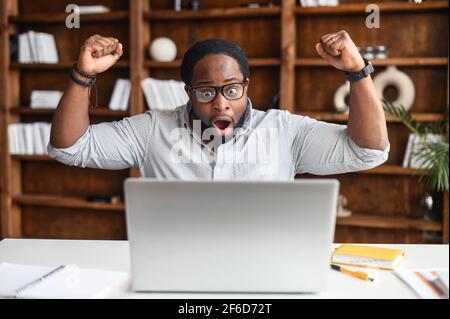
(357, 274)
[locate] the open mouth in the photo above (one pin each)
(222, 125)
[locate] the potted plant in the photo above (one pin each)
(432, 155)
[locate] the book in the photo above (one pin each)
(121, 95)
(62, 282)
(407, 156)
(426, 283)
(415, 160)
(164, 94)
(370, 257)
(93, 9)
(45, 99)
(37, 47)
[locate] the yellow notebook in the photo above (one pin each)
(365, 256)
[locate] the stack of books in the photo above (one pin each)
(37, 47)
(28, 138)
(45, 99)
(319, 3)
(164, 94)
(121, 95)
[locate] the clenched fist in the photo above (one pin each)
(339, 51)
(99, 53)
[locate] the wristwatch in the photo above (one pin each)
(355, 76)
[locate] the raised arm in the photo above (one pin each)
(366, 122)
(71, 119)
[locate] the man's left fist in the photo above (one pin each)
(339, 51)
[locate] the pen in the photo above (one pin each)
(358, 274)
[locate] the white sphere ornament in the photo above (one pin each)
(163, 50)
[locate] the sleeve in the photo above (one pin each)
(322, 148)
(114, 145)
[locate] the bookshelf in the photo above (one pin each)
(41, 198)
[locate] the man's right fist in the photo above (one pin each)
(99, 53)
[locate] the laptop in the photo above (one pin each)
(243, 237)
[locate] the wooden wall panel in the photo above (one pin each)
(263, 42)
(60, 223)
(57, 179)
(417, 35)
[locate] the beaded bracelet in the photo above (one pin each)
(76, 68)
(89, 85)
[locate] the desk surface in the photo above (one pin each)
(114, 255)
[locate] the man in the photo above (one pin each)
(217, 135)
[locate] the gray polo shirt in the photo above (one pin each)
(272, 145)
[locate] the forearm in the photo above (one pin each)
(366, 122)
(71, 118)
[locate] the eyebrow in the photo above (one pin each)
(212, 82)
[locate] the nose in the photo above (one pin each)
(220, 104)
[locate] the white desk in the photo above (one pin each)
(114, 255)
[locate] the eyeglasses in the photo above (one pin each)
(207, 94)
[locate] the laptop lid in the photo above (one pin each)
(203, 236)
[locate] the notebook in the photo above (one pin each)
(62, 282)
(426, 283)
(365, 256)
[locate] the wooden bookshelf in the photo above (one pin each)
(343, 117)
(385, 7)
(99, 111)
(42, 198)
(65, 202)
(216, 13)
(406, 61)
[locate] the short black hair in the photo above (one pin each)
(212, 46)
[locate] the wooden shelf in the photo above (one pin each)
(100, 111)
(360, 8)
(392, 170)
(61, 17)
(253, 62)
(222, 13)
(35, 158)
(343, 117)
(406, 61)
(56, 66)
(64, 202)
(370, 221)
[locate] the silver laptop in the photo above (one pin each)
(201, 236)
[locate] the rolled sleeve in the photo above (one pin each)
(322, 148)
(115, 145)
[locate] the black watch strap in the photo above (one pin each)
(355, 76)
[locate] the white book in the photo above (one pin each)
(116, 97)
(45, 99)
(28, 138)
(12, 139)
(46, 130)
(32, 44)
(322, 3)
(24, 49)
(416, 161)
(126, 96)
(62, 282)
(20, 138)
(50, 45)
(37, 141)
(407, 156)
(93, 9)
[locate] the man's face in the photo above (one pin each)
(221, 114)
